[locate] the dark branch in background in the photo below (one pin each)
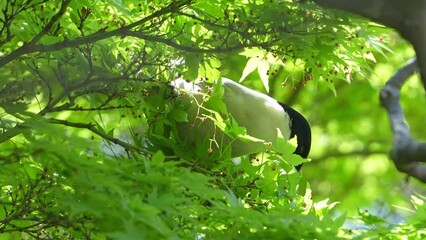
(175, 45)
(10, 10)
(406, 153)
(408, 19)
(52, 21)
(91, 83)
(52, 105)
(32, 46)
(122, 32)
(27, 47)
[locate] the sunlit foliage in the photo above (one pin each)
(88, 148)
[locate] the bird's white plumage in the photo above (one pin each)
(260, 114)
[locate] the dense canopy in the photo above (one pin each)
(88, 143)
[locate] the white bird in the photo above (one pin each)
(261, 115)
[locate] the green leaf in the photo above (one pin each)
(209, 72)
(98, 126)
(233, 200)
(215, 63)
(192, 61)
(179, 115)
(111, 132)
(263, 69)
(158, 158)
(330, 85)
(340, 220)
(251, 65)
(120, 6)
(370, 219)
(214, 101)
(217, 119)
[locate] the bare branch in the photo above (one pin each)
(406, 153)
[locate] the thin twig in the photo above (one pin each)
(91, 127)
(28, 47)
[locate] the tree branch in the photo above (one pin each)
(26, 48)
(175, 45)
(125, 31)
(91, 127)
(31, 47)
(408, 19)
(52, 21)
(406, 152)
